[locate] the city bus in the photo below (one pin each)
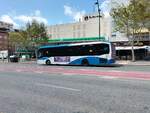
(88, 53)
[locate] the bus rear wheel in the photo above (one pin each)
(48, 62)
(85, 62)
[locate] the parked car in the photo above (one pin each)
(13, 58)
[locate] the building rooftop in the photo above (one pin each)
(5, 26)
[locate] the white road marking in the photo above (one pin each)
(108, 77)
(18, 70)
(68, 73)
(115, 71)
(58, 87)
(39, 72)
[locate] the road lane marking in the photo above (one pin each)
(108, 77)
(39, 72)
(68, 73)
(58, 87)
(18, 70)
(116, 71)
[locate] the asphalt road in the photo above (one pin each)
(49, 89)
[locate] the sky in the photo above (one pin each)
(50, 12)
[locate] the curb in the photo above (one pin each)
(134, 64)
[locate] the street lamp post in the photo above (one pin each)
(99, 16)
(8, 47)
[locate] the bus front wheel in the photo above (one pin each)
(48, 62)
(85, 62)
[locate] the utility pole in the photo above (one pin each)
(133, 37)
(99, 16)
(8, 47)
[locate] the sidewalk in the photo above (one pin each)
(28, 62)
(140, 63)
(3, 61)
(22, 62)
(136, 63)
(120, 62)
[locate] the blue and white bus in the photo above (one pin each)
(89, 53)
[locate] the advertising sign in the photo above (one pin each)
(62, 59)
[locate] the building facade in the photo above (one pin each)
(4, 29)
(88, 26)
(142, 39)
(3, 41)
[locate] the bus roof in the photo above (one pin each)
(73, 44)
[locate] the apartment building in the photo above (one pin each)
(4, 29)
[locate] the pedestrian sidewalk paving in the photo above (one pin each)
(20, 61)
(120, 62)
(28, 61)
(3, 61)
(141, 63)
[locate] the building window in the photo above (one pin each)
(113, 35)
(54, 30)
(84, 26)
(58, 36)
(86, 18)
(74, 34)
(5, 37)
(78, 27)
(74, 28)
(78, 34)
(84, 35)
(57, 29)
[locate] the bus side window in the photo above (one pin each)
(47, 53)
(40, 54)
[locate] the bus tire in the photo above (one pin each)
(48, 62)
(85, 62)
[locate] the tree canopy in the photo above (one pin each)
(29, 38)
(37, 32)
(132, 19)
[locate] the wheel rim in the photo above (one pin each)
(48, 62)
